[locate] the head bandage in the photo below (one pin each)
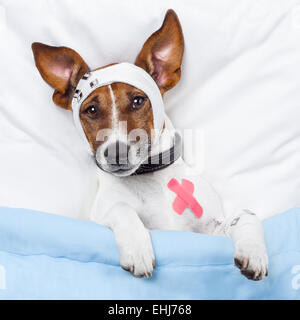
(124, 73)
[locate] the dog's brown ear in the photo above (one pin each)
(162, 54)
(61, 68)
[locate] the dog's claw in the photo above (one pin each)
(249, 273)
(238, 263)
(252, 261)
(137, 257)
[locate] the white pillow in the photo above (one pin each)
(240, 86)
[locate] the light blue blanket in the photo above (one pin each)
(44, 256)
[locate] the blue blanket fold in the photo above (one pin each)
(44, 256)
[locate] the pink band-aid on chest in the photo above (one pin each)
(185, 197)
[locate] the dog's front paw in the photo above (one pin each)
(251, 258)
(137, 256)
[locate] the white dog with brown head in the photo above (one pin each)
(119, 111)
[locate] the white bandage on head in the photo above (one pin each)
(124, 73)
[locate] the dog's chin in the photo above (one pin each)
(124, 173)
(119, 171)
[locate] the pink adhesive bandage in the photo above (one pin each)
(185, 197)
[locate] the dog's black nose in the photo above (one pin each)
(117, 153)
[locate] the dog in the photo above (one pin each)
(137, 196)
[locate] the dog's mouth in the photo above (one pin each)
(119, 170)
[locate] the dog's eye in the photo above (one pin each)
(92, 112)
(138, 103)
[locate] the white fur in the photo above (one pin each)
(115, 118)
(144, 202)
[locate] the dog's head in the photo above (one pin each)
(118, 109)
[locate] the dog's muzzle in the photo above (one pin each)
(115, 158)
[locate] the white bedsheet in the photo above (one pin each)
(240, 86)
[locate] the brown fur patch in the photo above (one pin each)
(161, 55)
(61, 68)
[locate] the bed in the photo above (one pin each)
(44, 256)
